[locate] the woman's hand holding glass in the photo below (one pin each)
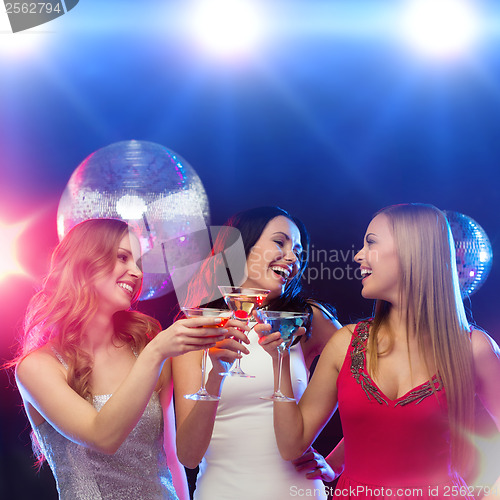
(242, 301)
(186, 335)
(288, 325)
(270, 341)
(232, 347)
(206, 312)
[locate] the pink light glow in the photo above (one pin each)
(9, 234)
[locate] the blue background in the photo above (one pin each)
(332, 118)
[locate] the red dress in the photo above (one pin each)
(393, 448)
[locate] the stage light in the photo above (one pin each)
(9, 235)
(440, 28)
(226, 27)
(17, 46)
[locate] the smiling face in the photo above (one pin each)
(275, 258)
(117, 289)
(379, 262)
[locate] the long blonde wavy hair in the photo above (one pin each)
(60, 312)
(430, 290)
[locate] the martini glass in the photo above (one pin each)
(242, 302)
(195, 312)
(287, 323)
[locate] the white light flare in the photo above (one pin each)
(226, 28)
(131, 207)
(22, 45)
(441, 29)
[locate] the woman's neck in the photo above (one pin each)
(99, 333)
(397, 322)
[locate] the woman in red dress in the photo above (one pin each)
(405, 381)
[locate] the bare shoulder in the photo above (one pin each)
(338, 345)
(39, 374)
(39, 363)
(484, 348)
(323, 326)
(323, 318)
(342, 336)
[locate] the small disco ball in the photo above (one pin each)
(473, 252)
(153, 189)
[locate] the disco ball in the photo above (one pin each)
(473, 252)
(152, 188)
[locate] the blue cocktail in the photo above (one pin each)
(287, 324)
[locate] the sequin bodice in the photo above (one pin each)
(138, 470)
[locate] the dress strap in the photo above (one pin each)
(59, 357)
(358, 361)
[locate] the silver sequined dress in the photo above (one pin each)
(137, 471)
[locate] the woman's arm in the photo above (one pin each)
(195, 419)
(486, 354)
(336, 459)
(176, 469)
(43, 385)
(323, 326)
(297, 425)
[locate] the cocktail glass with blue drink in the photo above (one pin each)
(287, 324)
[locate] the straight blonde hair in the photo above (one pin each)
(429, 289)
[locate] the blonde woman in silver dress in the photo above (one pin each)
(95, 377)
